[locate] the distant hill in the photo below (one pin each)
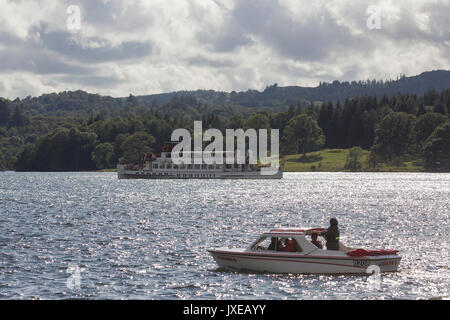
(275, 97)
(195, 104)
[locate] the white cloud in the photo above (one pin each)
(142, 47)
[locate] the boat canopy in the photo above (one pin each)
(292, 231)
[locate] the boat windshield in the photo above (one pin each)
(264, 243)
(277, 244)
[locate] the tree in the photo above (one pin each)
(2, 162)
(373, 159)
(235, 122)
(425, 126)
(60, 150)
(103, 155)
(79, 148)
(353, 162)
(4, 112)
(26, 155)
(312, 110)
(132, 100)
(394, 135)
(302, 134)
(135, 146)
(257, 121)
(440, 108)
(18, 118)
(437, 149)
(325, 119)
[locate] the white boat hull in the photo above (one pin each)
(159, 174)
(330, 262)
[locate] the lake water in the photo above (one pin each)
(147, 239)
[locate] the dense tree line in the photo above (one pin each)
(101, 132)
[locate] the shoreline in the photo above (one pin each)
(284, 171)
(328, 160)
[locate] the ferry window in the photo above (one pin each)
(169, 166)
(197, 166)
(155, 166)
(210, 167)
(204, 166)
(189, 166)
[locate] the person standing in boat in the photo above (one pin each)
(331, 235)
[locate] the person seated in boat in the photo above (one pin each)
(274, 244)
(315, 242)
(331, 235)
(290, 245)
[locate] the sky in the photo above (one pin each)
(143, 47)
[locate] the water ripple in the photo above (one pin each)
(143, 239)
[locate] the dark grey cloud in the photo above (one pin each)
(311, 38)
(225, 39)
(203, 61)
(31, 56)
(407, 26)
(439, 20)
(66, 44)
(103, 82)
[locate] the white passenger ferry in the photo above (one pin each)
(162, 167)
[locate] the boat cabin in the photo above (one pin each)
(285, 240)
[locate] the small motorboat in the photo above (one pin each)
(288, 250)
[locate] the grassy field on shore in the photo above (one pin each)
(333, 160)
(107, 170)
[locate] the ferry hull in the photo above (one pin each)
(304, 264)
(129, 174)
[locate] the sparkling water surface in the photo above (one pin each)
(147, 239)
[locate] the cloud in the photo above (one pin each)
(309, 37)
(142, 47)
(93, 49)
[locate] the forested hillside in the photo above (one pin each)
(194, 104)
(276, 98)
(81, 131)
